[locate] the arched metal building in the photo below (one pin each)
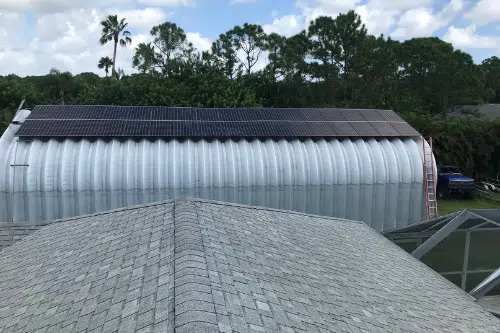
(61, 161)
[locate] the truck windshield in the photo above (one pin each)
(450, 170)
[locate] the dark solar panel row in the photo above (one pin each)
(114, 128)
(111, 121)
(206, 114)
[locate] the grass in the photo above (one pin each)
(446, 207)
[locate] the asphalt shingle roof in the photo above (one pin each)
(196, 266)
(11, 233)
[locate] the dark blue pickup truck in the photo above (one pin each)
(451, 180)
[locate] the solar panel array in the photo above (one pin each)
(153, 121)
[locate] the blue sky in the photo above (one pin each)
(36, 35)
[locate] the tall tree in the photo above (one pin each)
(350, 33)
(439, 75)
(295, 53)
(288, 71)
(224, 55)
(335, 43)
(374, 72)
(145, 58)
(105, 63)
(275, 45)
(114, 30)
(325, 49)
(168, 51)
(239, 49)
(250, 41)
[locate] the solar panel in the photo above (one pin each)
(352, 115)
(343, 129)
(371, 115)
(312, 115)
(155, 121)
(390, 115)
(332, 115)
(365, 129)
(405, 129)
(385, 129)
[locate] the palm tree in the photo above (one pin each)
(105, 63)
(111, 30)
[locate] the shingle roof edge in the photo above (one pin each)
(176, 200)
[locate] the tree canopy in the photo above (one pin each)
(332, 63)
(105, 63)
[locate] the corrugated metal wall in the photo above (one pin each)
(378, 181)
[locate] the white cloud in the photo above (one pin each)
(65, 25)
(69, 41)
(330, 5)
(377, 15)
(199, 42)
(51, 6)
(311, 9)
(167, 3)
(398, 5)
(468, 38)
(10, 23)
(414, 17)
(422, 21)
(418, 22)
(287, 25)
(19, 62)
(484, 12)
(377, 21)
(143, 18)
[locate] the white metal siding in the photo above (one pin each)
(84, 165)
(378, 181)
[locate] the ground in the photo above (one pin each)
(449, 206)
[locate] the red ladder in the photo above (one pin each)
(429, 179)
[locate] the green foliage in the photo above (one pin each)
(248, 40)
(105, 63)
(491, 71)
(473, 144)
(167, 54)
(3, 125)
(333, 63)
(223, 56)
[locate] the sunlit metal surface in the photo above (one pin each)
(376, 181)
(488, 284)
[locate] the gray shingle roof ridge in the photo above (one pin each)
(231, 204)
(194, 309)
